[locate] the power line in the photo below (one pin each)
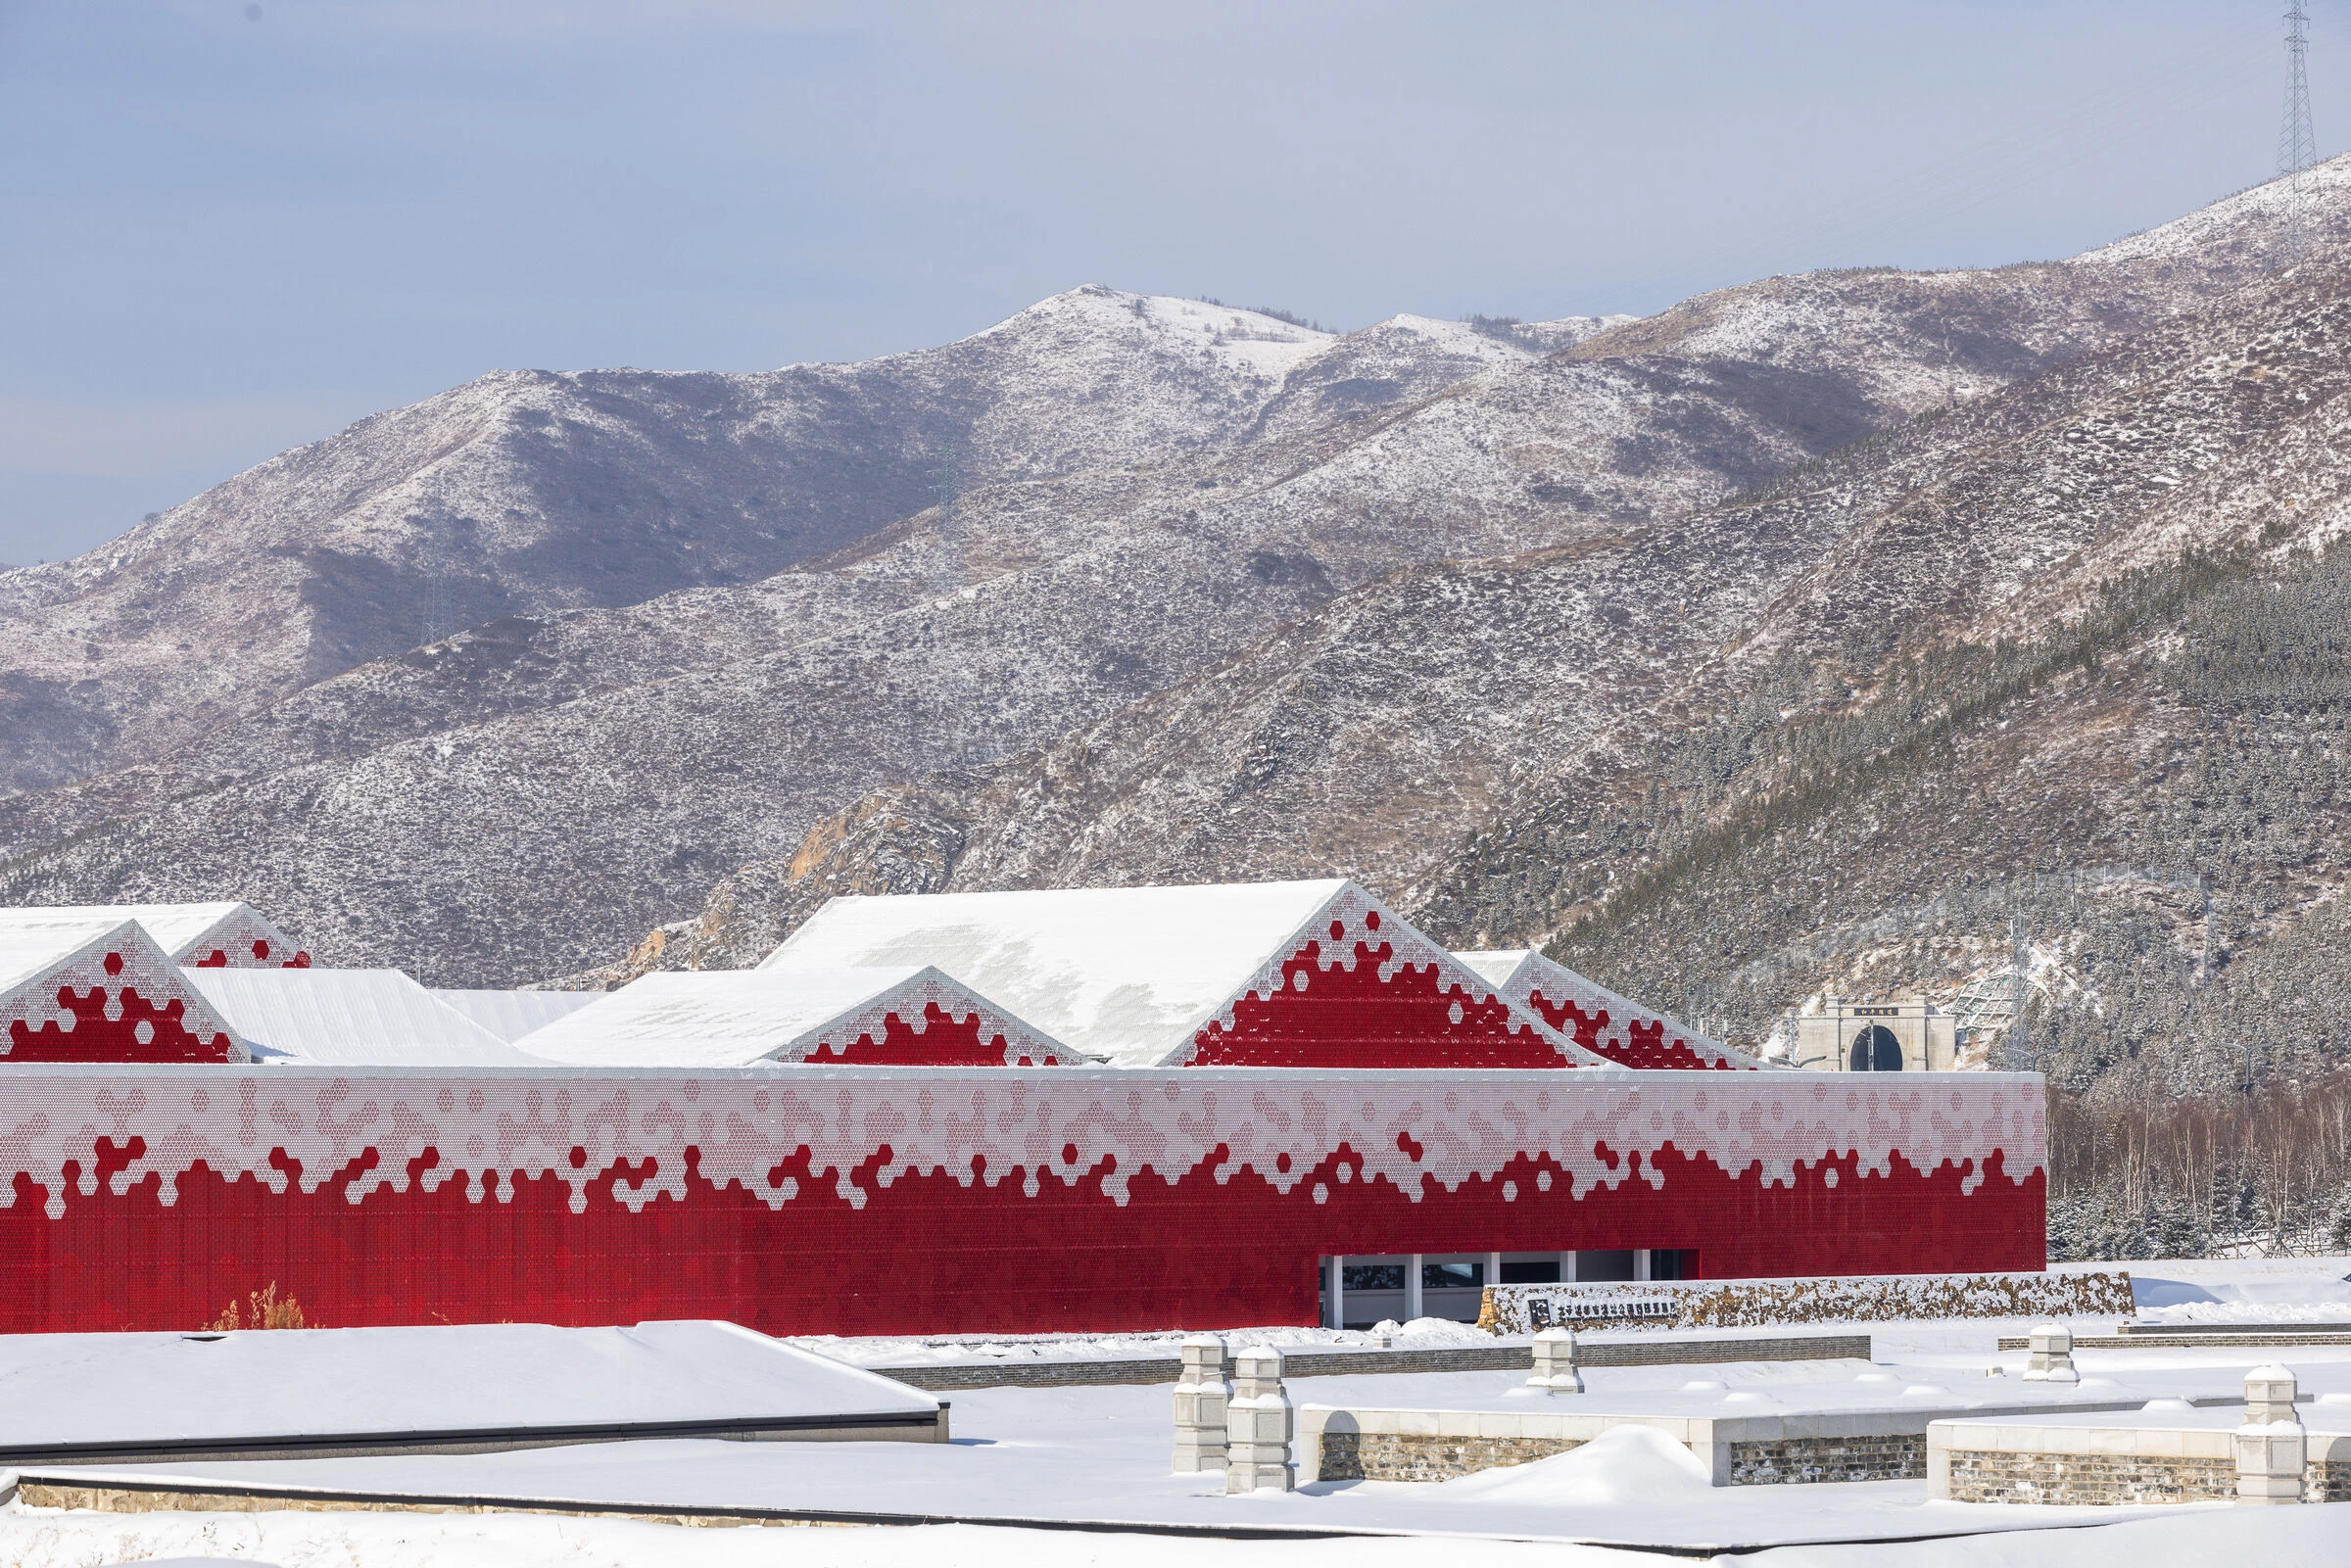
(2297, 143)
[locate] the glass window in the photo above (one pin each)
(1374, 1276)
(1604, 1265)
(1453, 1276)
(1530, 1271)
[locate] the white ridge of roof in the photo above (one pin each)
(28, 948)
(69, 1389)
(349, 1018)
(1496, 966)
(718, 1018)
(173, 926)
(1126, 973)
(1499, 967)
(511, 1015)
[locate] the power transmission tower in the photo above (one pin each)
(2297, 143)
(2015, 1045)
(951, 548)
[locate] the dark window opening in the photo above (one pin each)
(1453, 1276)
(1374, 1276)
(1530, 1272)
(1875, 1050)
(1673, 1263)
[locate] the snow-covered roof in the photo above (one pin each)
(1123, 973)
(348, 1018)
(734, 1018)
(67, 1391)
(85, 985)
(511, 1015)
(1550, 987)
(1130, 975)
(180, 929)
(30, 948)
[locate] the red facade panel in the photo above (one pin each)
(1371, 1009)
(116, 998)
(1632, 1042)
(811, 1200)
(941, 1039)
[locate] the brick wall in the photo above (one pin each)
(1411, 1457)
(1416, 1456)
(1792, 1460)
(1982, 1476)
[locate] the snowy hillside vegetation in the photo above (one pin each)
(1127, 587)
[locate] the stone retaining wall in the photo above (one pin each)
(1324, 1363)
(1436, 1457)
(1979, 1461)
(1982, 1476)
(2249, 1341)
(1413, 1456)
(1771, 1303)
(2328, 1480)
(1788, 1461)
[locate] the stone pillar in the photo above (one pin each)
(1555, 1362)
(1412, 1289)
(2271, 1446)
(1338, 1292)
(1200, 1396)
(1259, 1424)
(2052, 1360)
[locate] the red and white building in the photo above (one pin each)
(903, 1017)
(89, 986)
(1285, 1091)
(1261, 975)
(348, 1018)
(1599, 1020)
(214, 935)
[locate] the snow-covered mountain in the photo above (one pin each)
(1215, 594)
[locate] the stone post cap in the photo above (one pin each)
(1202, 1354)
(2270, 1395)
(2053, 1337)
(1256, 1371)
(1555, 1336)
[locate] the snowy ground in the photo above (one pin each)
(1101, 1454)
(2278, 1538)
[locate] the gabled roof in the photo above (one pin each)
(511, 1015)
(898, 1015)
(348, 1018)
(30, 949)
(78, 986)
(1598, 1019)
(217, 934)
(1219, 973)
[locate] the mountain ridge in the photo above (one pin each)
(1054, 567)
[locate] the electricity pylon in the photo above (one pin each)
(2297, 143)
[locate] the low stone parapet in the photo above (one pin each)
(1702, 1303)
(2260, 1453)
(1640, 1351)
(1349, 1444)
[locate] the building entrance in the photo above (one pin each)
(1875, 1050)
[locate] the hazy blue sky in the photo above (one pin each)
(231, 228)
